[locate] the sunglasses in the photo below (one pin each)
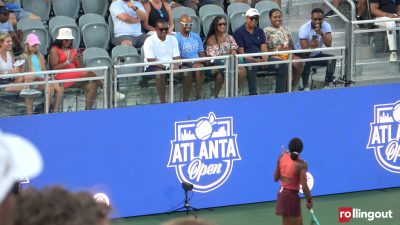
(187, 24)
(254, 18)
(161, 13)
(318, 19)
(163, 29)
(221, 24)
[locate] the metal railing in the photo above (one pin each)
(47, 81)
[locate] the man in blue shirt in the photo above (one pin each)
(6, 27)
(251, 39)
(190, 47)
(315, 34)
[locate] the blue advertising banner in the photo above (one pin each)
(227, 148)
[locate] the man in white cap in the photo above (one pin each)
(19, 159)
(251, 39)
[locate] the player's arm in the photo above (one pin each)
(277, 173)
(303, 181)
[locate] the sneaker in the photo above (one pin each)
(30, 93)
(330, 14)
(306, 89)
(120, 96)
(393, 57)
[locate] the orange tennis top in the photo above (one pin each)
(287, 168)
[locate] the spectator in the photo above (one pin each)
(35, 62)
(157, 9)
(279, 38)
(18, 158)
(6, 67)
(218, 42)
(64, 56)
(385, 9)
(188, 221)
(315, 34)
(17, 12)
(6, 27)
(251, 39)
(190, 47)
(57, 206)
(127, 16)
(361, 5)
(197, 4)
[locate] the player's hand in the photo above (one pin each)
(309, 204)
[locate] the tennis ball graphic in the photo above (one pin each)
(396, 112)
(204, 127)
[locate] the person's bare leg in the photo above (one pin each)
(99, 83)
(242, 75)
(219, 81)
(160, 84)
(90, 89)
(126, 42)
(297, 71)
(58, 95)
(361, 6)
(336, 3)
(187, 86)
(199, 80)
(29, 105)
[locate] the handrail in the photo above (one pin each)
(333, 8)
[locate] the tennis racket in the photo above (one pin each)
(314, 220)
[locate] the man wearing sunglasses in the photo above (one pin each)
(127, 16)
(18, 159)
(315, 34)
(190, 47)
(161, 47)
(251, 39)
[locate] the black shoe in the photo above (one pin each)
(330, 14)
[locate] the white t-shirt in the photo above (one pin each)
(161, 51)
(120, 27)
(307, 32)
(6, 65)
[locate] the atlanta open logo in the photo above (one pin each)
(385, 136)
(204, 151)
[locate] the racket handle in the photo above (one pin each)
(311, 210)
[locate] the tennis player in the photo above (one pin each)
(291, 172)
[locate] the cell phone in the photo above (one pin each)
(80, 51)
(314, 37)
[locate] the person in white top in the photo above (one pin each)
(161, 47)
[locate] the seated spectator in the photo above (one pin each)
(315, 34)
(19, 13)
(361, 6)
(57, 206)
(190, 47)
(251, 39)
(279, 38)
(127, 17)
(188, 221)
(218, 42)
(35, 62)
(19, 158)
(6, 67)
(157, 9)
(384, 9)
(64, 56)
(6, 26)
(161, 47)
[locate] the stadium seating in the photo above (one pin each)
(263, 7)
(68, 8)
(178, 12)
(28, 26)
(58, 22)
(93, 57)
(95, 31)
(207, 13)
(95, 6)
(40, 8)
(236, 14)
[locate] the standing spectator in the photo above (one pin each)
(218, 42)
(18, 158)
(315, 34)
(385, 9)
(127, 16)
(251, 39)
(190, 47)
(279, 38)
(291, 172)
(157, 9)
(161, 47)
(7, 27)
(361, 6)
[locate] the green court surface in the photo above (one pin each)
(325, 207)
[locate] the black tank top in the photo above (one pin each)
(157, 14)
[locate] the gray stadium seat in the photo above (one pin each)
(40, 8)
(208, 20)
(178, 12)
(58, 22)
(93, 57)
(95, 31)
(111, 26)
(207, 14)
(130, 55)
(68, 8)
(28, 26)
(263, 7)
(237, 14)
(99, 7)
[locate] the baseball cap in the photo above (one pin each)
(32, 39)
(4, 9)
(252, 12)
(19, 158)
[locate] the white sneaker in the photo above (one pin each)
(120, 96)
(393, 57)
(30, 93)
(306, 89)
